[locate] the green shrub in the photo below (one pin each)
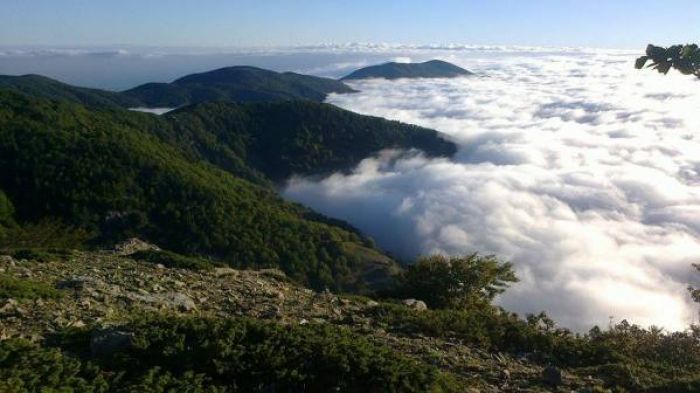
(170, 354)
(172, 260)
(684, 58)
(492, 329)
(26, 368)
(48, 233)
(42, 255)
(124, 174)
(249, 355)
(15, 288)
(456, 282)
(7, 211)
(624, 356)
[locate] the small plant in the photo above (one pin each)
(172, 260)
(41, 255)
(684, 58)
(45, 234)
(168, 354)
(456, 282)
(7, 211)
(15, 288)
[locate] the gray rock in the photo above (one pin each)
(552, 376)
(172, 300)
(273, 312)
(505, 374)
(133, 245)
(11, 308)
(372, 303)
(225, 271)
(107, 342)
(7, 260)
(179, 301)
(417, 305)
(273, 273)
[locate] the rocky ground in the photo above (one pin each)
(104, 288)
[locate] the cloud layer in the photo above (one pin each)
(580, 170)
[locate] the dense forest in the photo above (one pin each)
(294, 137)
(118, 173)
(41, 86)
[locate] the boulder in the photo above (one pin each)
(7, 260)
(179, 301)
(172, 300)
(273, 273)
(417, 305)
(133, 245)
(225, 271)
(11, 308)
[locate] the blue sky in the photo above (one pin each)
(598, 23)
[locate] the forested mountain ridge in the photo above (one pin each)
(296, 137)
(236, 84)
(41, 86)
(230, 84)
(105, 170)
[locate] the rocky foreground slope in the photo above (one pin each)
(101, 289)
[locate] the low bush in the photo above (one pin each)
(42, 255)
(169, 354)
(172, 260)
(455, 282)
(26, 367)
(15, 288)
(44, 234)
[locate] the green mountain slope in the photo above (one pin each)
(106, 170)
(236, 84)
(41, 86)
(429, 69)
(296, 137)
(231, 84)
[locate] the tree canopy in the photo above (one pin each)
(684, 58)
(109, 171)
(457, 282)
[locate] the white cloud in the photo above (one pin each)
(580, 170)
(155, 111)
(401, 59)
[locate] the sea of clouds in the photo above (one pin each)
(580, 170)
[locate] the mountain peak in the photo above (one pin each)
(394, 70)
(237, 84)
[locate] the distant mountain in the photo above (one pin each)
(231, 84)
(236, 84)
(429, 69)
(43, 87)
